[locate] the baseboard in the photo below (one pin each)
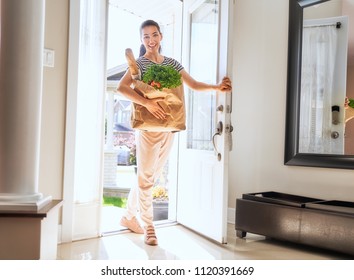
(231, 214)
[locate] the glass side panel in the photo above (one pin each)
(203, 67)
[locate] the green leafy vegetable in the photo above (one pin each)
(351, 102)
(162, 76)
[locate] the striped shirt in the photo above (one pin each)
(144, 64)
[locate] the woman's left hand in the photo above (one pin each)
(225, 85)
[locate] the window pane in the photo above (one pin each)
(203, 67)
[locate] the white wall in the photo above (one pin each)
(54, 98)
(259, 80)
(327, 9)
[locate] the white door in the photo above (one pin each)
(203, 151)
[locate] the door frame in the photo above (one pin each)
(73, 214)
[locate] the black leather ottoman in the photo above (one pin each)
(299, 219)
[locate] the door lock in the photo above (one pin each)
(220, 108)
(334, 135)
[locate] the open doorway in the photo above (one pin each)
(124, 21)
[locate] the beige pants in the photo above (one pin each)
(152, 151)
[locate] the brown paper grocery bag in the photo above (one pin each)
(173, 104)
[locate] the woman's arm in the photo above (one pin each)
(150, 104)
(224, 86)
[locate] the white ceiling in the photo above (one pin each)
(146, 9)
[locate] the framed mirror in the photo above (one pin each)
(319, 125)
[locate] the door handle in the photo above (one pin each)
(218, 131)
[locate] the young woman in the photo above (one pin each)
(153, 147)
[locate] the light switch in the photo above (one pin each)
(48, 58)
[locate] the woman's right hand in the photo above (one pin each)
(155, 109)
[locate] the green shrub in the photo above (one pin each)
(114, 201)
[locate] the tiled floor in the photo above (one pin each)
(178, 243)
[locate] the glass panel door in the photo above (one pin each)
(203, 173)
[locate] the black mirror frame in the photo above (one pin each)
(292, 156)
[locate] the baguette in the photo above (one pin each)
(134, 70)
